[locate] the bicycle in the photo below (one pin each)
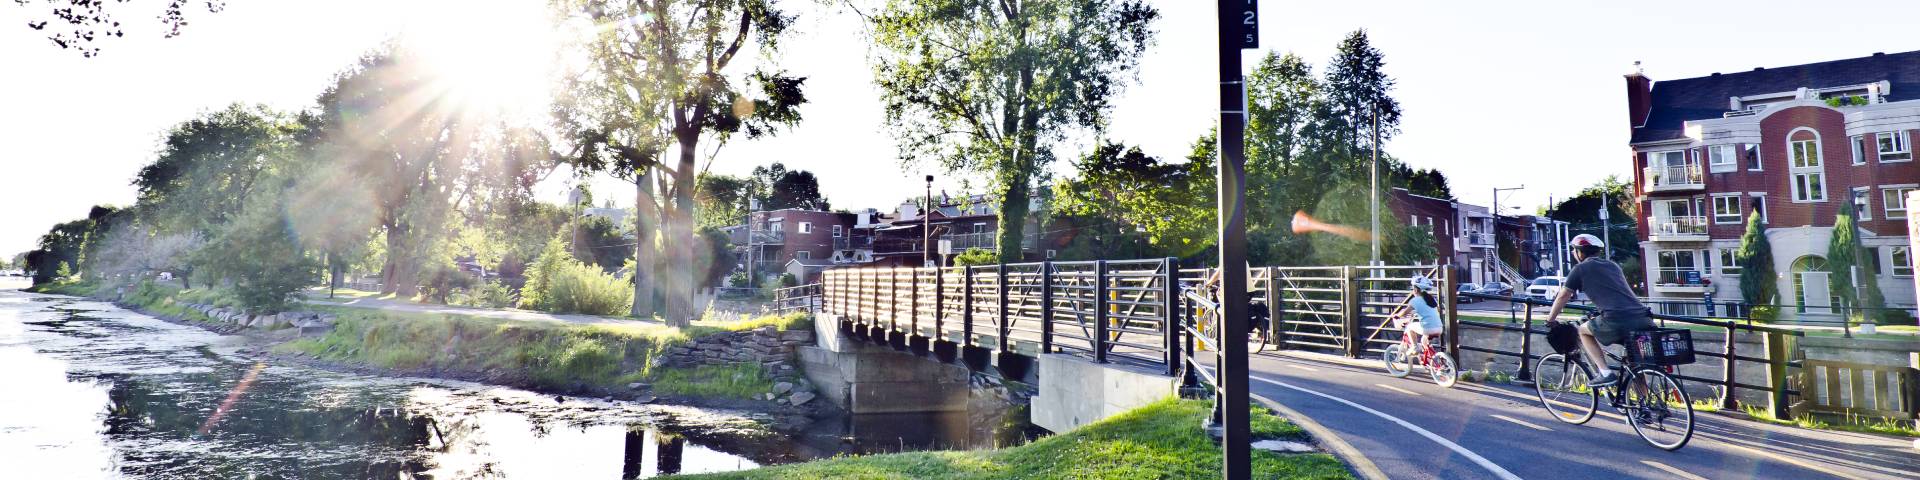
(1439, 365)
(1650, 401)
(1257, 324)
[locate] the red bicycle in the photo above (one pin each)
(1439, 365)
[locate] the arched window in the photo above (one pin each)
(1803, 161)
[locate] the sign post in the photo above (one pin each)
(1239, 29)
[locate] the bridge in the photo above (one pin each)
(1097, 335)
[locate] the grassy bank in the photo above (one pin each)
(1159, 441)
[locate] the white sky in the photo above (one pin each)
(1499, 93)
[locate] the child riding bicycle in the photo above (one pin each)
(1421, 306)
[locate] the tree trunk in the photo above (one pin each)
(402, 271)
(679, 239)
(644, 226)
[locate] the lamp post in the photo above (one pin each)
(1238, 30)
(926, 225)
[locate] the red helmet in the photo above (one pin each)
(1586, 240)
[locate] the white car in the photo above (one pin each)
(1547, 288)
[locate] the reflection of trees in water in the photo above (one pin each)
(371, 442)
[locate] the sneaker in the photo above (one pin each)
(1605, 380)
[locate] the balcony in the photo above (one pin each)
(1678, 229)
(1674, 178)
(862, 242)
(1479, 240)
(1680, 280)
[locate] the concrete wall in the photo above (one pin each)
(1075, 391)
(865, 378)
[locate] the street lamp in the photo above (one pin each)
(926, 226)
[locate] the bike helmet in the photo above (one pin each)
(1564, 337)
(1422, 283)
(1586, 240)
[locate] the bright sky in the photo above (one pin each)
(1505, 93)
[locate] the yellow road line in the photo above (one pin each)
(1522, 423)
(1397, 389)
(1362, 466)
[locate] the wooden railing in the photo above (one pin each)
(1858, 389)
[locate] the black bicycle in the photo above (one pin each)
(1652, 402)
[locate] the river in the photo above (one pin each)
(89, 390)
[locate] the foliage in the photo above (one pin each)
(580, 288)
(778, 188)
(600, 242)
(989, 87)
(1757, 277)
(1847, 260)
(485, 295)
(738, 380)
(976, 256)
(209, 168)
(76, 25)
(546, 267)
(1582, 213)
(262, 259)
(1169, 205)
(664, 72)
(1162, 440)
(721, 200)
(718, 259)
(135, 251)
(441, 280)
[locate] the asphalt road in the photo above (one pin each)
(1411, 428)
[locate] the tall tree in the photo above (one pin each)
(778, 188)
(1122, 191)
(665, 73)
(1848, 261)
(722, 199)
(1359, 94)
(1757, 276)
(77, 24)
(990, 86)
(1582, 212)
(208, 167)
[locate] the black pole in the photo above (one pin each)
(1237, 31)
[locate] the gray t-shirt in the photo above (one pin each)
(1603, 283)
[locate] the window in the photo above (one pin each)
(1859, 149)
(1894, 146)
(1902, 262)
(806, 227)
(1671, 158)
(1862, 209)
(1895, 201)
(1874, 254)
(1720, 159)
(1753, 157)
(1674, 266)
(979, 228)
(1730, 262)
(838, 230)
(803, 254)
(1726, 209)
(1809, 181)
(1760, 207)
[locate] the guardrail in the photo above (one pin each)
(1107, 311)
(1778, 360)
(794, 299)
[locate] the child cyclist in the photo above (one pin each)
(1421, 317)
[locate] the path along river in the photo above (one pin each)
(88, 390)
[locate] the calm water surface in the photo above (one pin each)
(88, 390)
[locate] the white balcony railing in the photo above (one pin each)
(1678, 228)
(1674, 177)
(1478, 239)
(1680, 280)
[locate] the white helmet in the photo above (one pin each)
(1585, 240)
(1422, 283)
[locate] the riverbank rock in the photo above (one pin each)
(800, 398)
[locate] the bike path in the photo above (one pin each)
(1475, 431)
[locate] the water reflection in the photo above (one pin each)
(92, 391)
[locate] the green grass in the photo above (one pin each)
(1848, 423)
(741, 380)
(1162, 440)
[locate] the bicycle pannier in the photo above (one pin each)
(1661, 346)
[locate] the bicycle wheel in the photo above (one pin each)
(1396, 360)
(1441, 368)
(1562, 388)
(1256, 342)
(1658, 409)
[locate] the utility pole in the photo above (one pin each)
(1239, 29)
(926, 226)
(752, 204)
(1373, 193)
(1606, 227)
(1495, 230)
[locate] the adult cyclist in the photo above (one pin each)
(1621, 312)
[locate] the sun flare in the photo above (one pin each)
(491, 57)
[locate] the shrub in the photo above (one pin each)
(441, 280)
(976, 256)
(486, 295)
(580, 288)
(1764, 313)
(552, 258)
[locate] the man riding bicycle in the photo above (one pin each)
(1621, 312)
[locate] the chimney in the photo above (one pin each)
(1639, 97)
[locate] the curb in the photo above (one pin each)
(1361, 466)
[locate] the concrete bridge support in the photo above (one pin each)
(865, 378)
(1075, 391)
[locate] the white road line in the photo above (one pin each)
(1522, 423)
(1676, 472)
(1301, 367)
(1475, 457)
(1397, 389)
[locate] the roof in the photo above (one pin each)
(811, 262)
(1675, 102)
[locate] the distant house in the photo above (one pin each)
(1466, 237)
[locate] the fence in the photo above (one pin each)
(805, 298)
(1777, 359)
(1107, 311)
(1855, 389)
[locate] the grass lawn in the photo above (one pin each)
(1159, 441)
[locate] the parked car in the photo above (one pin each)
(1496, 288)
(1466, 288)
(1547, 288)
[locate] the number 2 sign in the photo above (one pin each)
(1249, 25)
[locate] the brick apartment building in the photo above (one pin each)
(794, 241)
(806, 242)
(1465, 237)
(1795, 144)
